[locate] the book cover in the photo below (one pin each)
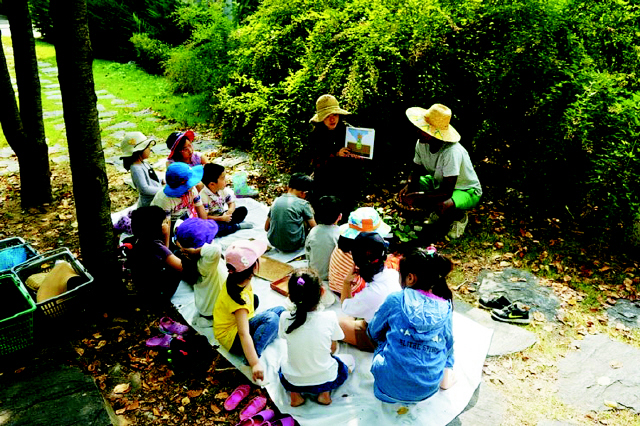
(360, 140)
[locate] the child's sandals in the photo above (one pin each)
(236, 397)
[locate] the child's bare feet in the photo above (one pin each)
(324, 398)
(296, 399)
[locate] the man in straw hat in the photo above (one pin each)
(443, 179)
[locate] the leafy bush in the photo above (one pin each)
(151, 54)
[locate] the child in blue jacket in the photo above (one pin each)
(412, 329)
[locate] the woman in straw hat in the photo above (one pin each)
(336, 171)
(443, 179)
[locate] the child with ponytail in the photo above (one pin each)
(412, 329)
(311, 336)
(235, 324)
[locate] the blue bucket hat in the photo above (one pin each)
(195, 232)
(180, 178)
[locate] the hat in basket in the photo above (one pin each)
(325, 106)
(135, 141)
(434, 121)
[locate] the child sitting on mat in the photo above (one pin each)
(220, 202)
(311, 336)
(369, 254)
(323, 237)
(289, 214)
(412, 328)
(235, 324)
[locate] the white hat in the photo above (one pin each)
(135, 141)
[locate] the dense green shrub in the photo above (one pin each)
(151, 54)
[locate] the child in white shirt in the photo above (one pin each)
(220, 201)
(311, 336)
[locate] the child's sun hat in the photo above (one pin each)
(135, 141)
(195, 232)
(180, 178)
(434, 121)
(241, 255)
(364, 219)
(325, 106)
(174, 140)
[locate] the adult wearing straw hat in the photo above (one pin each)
(443, 179)
(336, 171)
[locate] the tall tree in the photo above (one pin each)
(24, 128)
(88, 171)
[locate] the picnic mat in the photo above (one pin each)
(354, 402)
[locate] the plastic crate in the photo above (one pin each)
(14, 251)
(16, 315)
(74, 300)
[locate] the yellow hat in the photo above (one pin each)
(325, 106)
(434, 121)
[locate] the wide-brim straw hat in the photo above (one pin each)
(135, 141)
(325, 106)
(434, 121)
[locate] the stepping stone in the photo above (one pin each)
(119, 135)
(142, 113)
(118, 101)
(51, 92)
(52, 86)
(133, 105)
(522, 286)
(100, 107)
(44, 64)
(6, 153)
(154, 119)
(51, 114)
(105, 120)
(8, 167)
(60, 159)
(601, 373)
(45, 81)
(51, 70)
(487, 407)
(123, 125)
(54, 97)
(57, 148)
(102, 114)
(507, 338)
(101, 92)
(626, 312)
(108, 96)
(14, 81)
(59, 126)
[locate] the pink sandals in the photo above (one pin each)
(236, 397)
(167, 325)
(261, 418)
(163, 341)
(253, 407)
(285, 421)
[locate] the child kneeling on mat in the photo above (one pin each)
(413, 332)
(235, 324)
(311, 336)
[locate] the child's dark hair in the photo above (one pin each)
(430, 268)
(146, 222)
(327, 210)
(234, 279)
(211, 173)
(369, 252)
(304, 292)
(128, 161)
(301, 182)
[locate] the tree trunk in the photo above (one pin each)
(35, 176)
(88, 172)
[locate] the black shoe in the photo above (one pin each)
(493, 301)
(516, 313)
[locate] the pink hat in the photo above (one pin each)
(241, 255)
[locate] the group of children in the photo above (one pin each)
(398, 308)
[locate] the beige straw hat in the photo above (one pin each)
(434, 121)
(325, 106)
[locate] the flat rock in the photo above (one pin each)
(6, 153)
(507, 338)
(51, 114)
(486, 408)
(42, 81)
(626, 312)
(8, 167)
(57, 148)
(132, 105)
(43, 64)
(142, 112)
(51, 92)
(49, 70)
(601, 370)
(52, 86)
(49, 394)
(103, 114)
(122, 125)
(100, 107)
(101, 92)
(60, 159)
(54, 96)
(117, 101)
(106, 96)
(59, 127)
(519, 286)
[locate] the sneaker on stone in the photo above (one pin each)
(458, 226)
(494, 301)
(245, 225)
(516, 313)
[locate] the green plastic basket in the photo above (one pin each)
(16, 315)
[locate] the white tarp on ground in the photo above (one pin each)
(354, 402)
